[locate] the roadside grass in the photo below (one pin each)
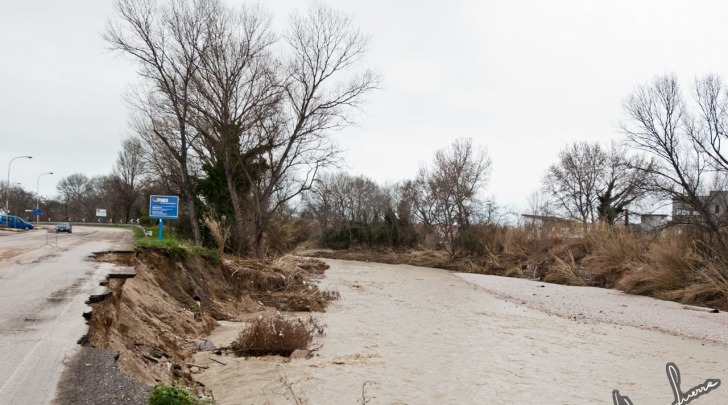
(175, 246)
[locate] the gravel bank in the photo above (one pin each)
(91, 377)
(599, 305)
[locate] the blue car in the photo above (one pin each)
(11, 221)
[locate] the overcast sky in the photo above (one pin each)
(523, 78)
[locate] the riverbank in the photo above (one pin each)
(403, 335)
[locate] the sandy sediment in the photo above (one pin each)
(411, 335)
(599, 305)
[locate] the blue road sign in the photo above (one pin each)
(163, 207)
(36, 211)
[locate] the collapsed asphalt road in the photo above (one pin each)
(45, 280)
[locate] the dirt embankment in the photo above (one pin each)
(158, 319)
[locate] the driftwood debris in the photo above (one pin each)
(702, 309)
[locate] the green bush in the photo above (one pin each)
(164, 394)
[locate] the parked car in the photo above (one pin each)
(12, 221)
(64, 227)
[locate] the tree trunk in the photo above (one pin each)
(191, 207)
(260, 242)
(241, 239)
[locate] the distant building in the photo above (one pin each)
(541, 224)
(651, 222)
(716, 202)
(545, 220)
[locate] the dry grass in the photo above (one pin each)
(511, 256)
(612, 253)
(285, 284)
(285, 233)
(278, 336)
(219, 230)
(292, 264)
(565, 271)
(515, 244)
(709, 286)
(665, 267)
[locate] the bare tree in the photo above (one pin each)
(235, 87)
(538, 203)
(708, 130)
(163, 41)
(19, 197)
(454, 184)
(323, 84)
(128, 172)
(209, 71)
(164, 176)
(623, 181)
(590, 182)
(344, 203)
(659, 122)
(573, 182)
(74, 191)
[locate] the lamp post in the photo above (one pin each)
(37, 196)
(7, 193)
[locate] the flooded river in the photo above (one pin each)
(410, 335)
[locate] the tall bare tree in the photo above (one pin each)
(74, 191)
(267, 121)
(454, 183)
(163, 41)
(709, 130)
(624, 181)
(235, 87)
(590, 182)
(352, 205)
(574, 180)
(128, 172)
(660, 122)
(323, 84)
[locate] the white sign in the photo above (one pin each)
(100, 212)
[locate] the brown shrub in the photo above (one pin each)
(286, 232)
(710, 284)
(284, 284)
(612, 252)
(278, 336)
(553, 254)
(292, 264)
(565, 271)
(667, 266)
(513, 272)
(506, 252)
(515, 243)
(427, 258)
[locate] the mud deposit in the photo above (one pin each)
(409, 335)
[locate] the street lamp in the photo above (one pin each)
(37, 195)
(7, 193)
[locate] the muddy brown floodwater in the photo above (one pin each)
(410, 335)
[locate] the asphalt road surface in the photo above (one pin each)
(44, 281)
